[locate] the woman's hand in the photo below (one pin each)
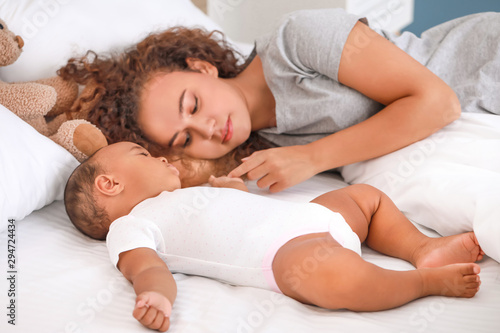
(278, 168)
(229, 182)
(153, 310)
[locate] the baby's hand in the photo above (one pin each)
(153, 310)
(230, 182)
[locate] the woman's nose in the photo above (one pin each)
(205, 127)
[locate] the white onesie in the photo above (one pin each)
(222, 233)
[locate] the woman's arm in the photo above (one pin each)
(418, 103)
(154, 286)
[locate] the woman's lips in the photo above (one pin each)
(228, 131)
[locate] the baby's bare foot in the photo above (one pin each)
(456, 280)
(436, 252)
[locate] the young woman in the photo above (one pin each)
(324, 87)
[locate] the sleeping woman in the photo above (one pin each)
(322, 91)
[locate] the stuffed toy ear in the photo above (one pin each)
(80, 138)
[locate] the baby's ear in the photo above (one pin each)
(108, 185)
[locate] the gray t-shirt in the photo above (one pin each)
(301, 60)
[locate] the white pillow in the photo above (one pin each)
(55, 30)
(33, 169)
(449, 182)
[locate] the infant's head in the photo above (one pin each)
(111, 182)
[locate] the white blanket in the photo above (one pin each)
(449, 182)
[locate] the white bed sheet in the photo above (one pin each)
(66, 283)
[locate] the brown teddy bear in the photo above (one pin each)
(45, 104)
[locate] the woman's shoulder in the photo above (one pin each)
(314, 19)
(304, 27)
(315, 13)
(306, 42)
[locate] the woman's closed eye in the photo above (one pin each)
(187, 141)
(195, 107)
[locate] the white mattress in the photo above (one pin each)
(66, 283)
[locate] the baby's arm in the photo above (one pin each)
(229, 182)
(154, 286)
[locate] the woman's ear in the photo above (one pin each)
(108, 185)
(202, 66)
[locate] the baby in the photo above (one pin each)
(153, 227)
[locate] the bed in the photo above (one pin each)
(64, 282)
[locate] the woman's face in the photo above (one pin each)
(198, 114)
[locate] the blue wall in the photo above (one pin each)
(429, 13)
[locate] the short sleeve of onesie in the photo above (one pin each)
(128, 233)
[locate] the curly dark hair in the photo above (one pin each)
(114, 84)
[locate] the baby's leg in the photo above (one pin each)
(315, 269)
(377, 221)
